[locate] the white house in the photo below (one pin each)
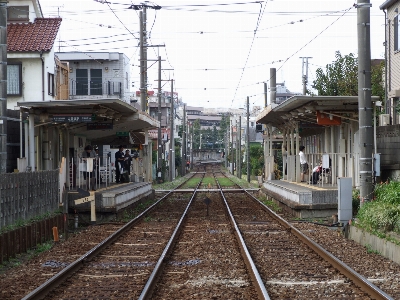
(30, 53)
(97, 75)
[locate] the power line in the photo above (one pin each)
(251, 46)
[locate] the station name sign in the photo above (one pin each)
(70, 118)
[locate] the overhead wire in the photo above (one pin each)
(251, 46)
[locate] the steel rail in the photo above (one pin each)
(41, 291)
(151, 282)
(255, 275)
(359, 280)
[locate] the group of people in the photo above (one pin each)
(123, 163)
(316, 171)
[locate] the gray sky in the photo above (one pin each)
(220, 53)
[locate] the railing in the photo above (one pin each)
(27, 195)
(106, 88)
(335, 165)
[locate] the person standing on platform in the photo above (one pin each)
(303, 163)
(128, 162)
(119, 163)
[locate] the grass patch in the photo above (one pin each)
(43, 248)
(225, 182)
(130, 214)
(192, 183)
(208, 180)
(370, 250)
(272, 205)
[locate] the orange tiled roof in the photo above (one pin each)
(36, 36)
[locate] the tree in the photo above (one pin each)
(341, 78)
(196, 134)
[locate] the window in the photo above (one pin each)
(18, 13)
(96, 82)
(50, 84)
(81, 81)
(396, 33)
(14, 79)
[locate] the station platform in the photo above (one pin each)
(112, 198)
(303, 200)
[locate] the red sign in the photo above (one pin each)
(327, 119)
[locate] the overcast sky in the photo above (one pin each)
(221, 51)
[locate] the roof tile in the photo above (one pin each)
(36, 36)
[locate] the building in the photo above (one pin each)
(30, 53)
(388, 137)
(97, 75)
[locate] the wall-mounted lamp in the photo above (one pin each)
(396, 9)
(106, 68)
(70, 70)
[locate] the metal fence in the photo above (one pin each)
(27, 195)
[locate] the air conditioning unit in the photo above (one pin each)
(384, 119)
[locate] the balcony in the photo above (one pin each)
(106, 89)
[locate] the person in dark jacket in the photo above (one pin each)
(119, 163)
(128, 162)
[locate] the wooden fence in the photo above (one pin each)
(22, 239)
(27, 195)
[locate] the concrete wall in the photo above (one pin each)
(388, 143)
(384, 247)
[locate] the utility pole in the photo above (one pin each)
(144, 108)
(143, 50)
(184, 141)
(304, 73)
(265, 94)
(248, 141)
(237, 151)
(232, 159)
(143, 89)
(226, 147)
(3, 86)
(272, 85)
(159, 161)
(191, 146)
(172, 140)
(364, 100)
(240, 149)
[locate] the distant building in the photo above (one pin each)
(283, 93)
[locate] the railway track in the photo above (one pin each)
(190, 245)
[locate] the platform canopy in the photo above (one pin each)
(311, 112)
(100, 119)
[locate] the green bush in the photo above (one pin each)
(388, 192)
(379, 216)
